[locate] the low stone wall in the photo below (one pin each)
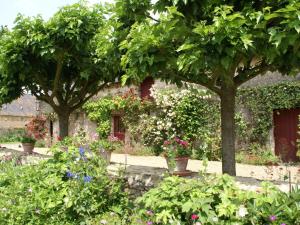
(141, 179)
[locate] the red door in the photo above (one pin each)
(286, 133)
(119, 129)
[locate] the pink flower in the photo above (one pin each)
(272, 218)
(167, 142)
(95, 136)
(184, 143)
(149, 223)
(112, 138)
(194, 217)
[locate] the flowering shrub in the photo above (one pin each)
(37, 127)
(176, 148)
(190, 113)
(216, 201)
(70, 188)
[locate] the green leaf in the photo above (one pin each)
(226, 62)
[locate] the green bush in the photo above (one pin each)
(12, 135)
(257, 155)
(217, 201)
(73, 187)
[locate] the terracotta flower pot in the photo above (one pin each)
(179, 164)
(28, 147)
(106, 155)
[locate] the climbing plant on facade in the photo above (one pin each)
(262, 101)
(129, 105)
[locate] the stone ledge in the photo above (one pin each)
(142, 178)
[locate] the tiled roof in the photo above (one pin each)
(23, 106)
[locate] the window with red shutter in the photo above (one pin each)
(145, 87)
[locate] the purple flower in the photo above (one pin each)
(272, 218)
(81, 151)
(87, 179)
(149, 223)
(283, 224)
(69, 174)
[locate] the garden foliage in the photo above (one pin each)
(217, 201)
(70, 188)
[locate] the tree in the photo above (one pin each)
(218, 44)
(63, 61)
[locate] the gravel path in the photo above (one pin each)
(277, 174)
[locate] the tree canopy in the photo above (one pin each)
(218, 44)
(63, 61)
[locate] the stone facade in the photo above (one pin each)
(79, 120)
(18, 113)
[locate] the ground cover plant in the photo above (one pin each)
(70, 188)
(73, 187)
(217, 201)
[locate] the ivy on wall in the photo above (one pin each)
(262, 101)
(129, 105)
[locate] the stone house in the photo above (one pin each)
(16, 114)
(281, 126)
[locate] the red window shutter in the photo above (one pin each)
(145, 87)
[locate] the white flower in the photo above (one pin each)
(4, 209)
(215, 219)
(30, 190)
(103, 222)
(198, 223)
(242, 212)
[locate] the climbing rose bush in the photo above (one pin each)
(73, 187)
(191, 114)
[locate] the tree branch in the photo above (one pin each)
(81, 103)
(208, 85)
(58, 73)
(47, 99)
(152, 18)
(247, 74)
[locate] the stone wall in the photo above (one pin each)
(13, 122)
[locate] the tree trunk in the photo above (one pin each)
(228, 93)
(63, 120)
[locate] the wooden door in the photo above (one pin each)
(119, 129)
(286, 133)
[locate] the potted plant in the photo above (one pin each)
(28, 143)
(105, 147)
(177, 153)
